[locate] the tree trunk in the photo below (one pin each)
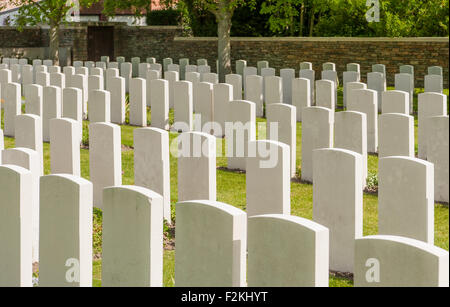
(54, 43)
(292, 26)
(311, 22)
(302, 16)
(224, 46)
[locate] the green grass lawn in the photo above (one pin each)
(231, 190)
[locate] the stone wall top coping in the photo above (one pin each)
(322, 39)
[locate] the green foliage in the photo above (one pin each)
(246, 20)
(85, 136)
(201, 21)
(169, 17)
(97, 231)
(49, 12)
(348, 18)
(138, 7)
(411, 18)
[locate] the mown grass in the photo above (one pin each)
(231, 190)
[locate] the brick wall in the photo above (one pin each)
(162, 42)
(289, 52)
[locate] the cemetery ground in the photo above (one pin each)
(231, 189)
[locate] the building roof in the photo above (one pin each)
(97, 9)
(6, 6)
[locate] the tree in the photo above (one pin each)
(222, 9)
(288, 17)
(46, 12)
(283, 15)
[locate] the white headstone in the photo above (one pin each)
(72, 107)
(353, 67)
(268, 173)
(166, 63)
(143, 68)
(376, 81)
(301, 95)
(183, 106)
(254, 93)
(15, 227)
(433, 83)
(350, 132)
(284, 118)
(80, 82)
(429, 104)
(135, 67)
(240, 129)
(194, 78)
(287, 75)
(132, 256)
(331, 75)
(391, 261)
(151, 75)
(209, 77)
(159, 103)
(240, 66)
(222, 95)
(205, 106)
(338, 202)
(208, 233)
(349, 76)
(317, 132)
(273, 90)
(305, 65)
(138, 105)
(395, 135)
(64, 146)
(171, 77)
(51, 108)
(310, 75)
(105, 158)
(30, 160)
(435, 70)
(43, 79)
(308, 253)
(248, 71)
(406, 198)
(126, 73)
(395, 102)
(151, 163)
(33, 99)
(438, 153)
(196, 166)
(68, 225)
(99, 106)
(12, 106)
(261, 65)
(116, 86)
(28, 134)
(365, 101)
(235, 80)
(404, 82)
(325, 96)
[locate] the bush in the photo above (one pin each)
(168, 17)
